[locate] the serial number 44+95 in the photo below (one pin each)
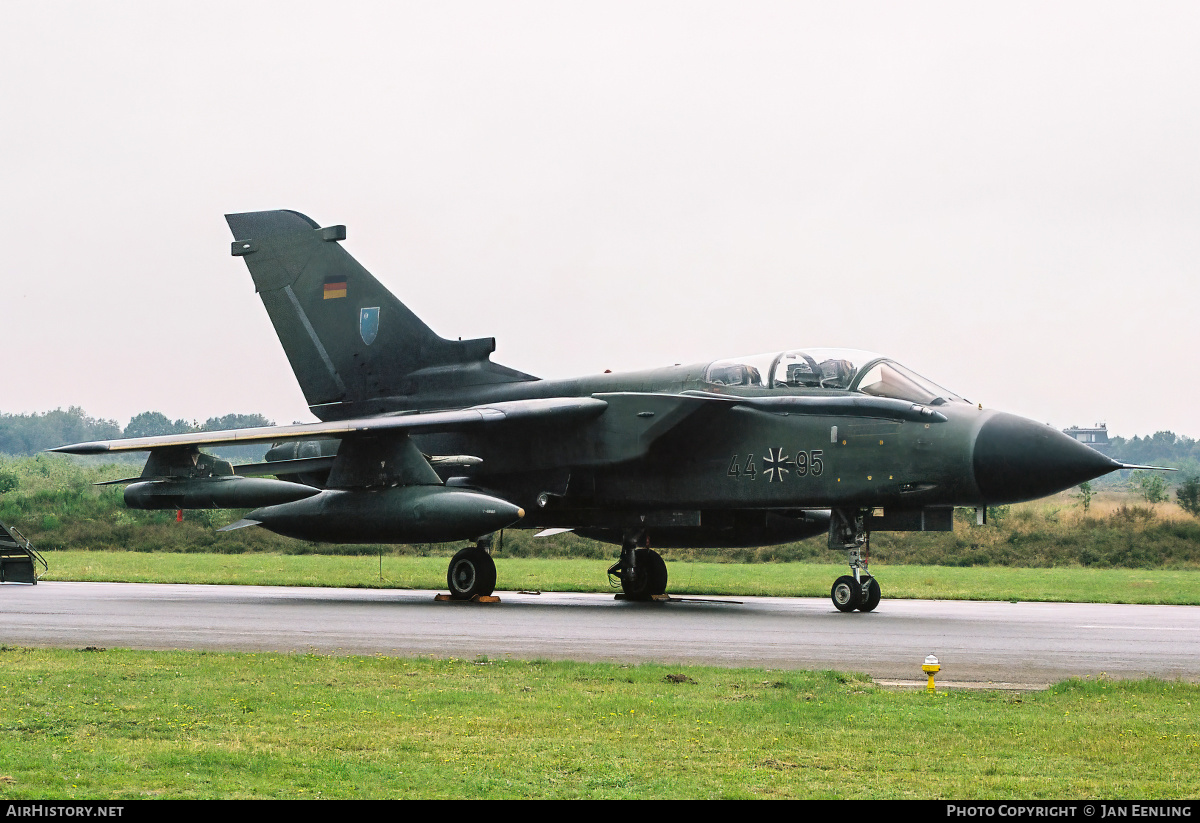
(777, 464)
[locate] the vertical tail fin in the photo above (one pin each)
(351, 343)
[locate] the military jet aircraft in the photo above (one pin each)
(426, 439)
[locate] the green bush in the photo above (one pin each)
(1188, 495)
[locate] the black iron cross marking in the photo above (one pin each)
(775, 465)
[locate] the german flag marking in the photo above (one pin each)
(335, 289)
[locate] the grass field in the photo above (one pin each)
(123, 724)
(1071, 584)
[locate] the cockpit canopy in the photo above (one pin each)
(837, 369)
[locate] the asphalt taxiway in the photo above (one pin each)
(981, 642)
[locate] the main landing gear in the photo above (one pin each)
(642, 571)
(472, 571)
(857, 590)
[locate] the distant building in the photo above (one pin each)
(1096, 436)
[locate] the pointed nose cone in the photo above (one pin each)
(1017, 459)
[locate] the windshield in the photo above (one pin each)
(889, 379)
(841, 369)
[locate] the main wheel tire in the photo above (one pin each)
(871, 597)
(649, 577)
(472, 572)
(846, 593)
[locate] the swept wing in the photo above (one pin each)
(557, 409)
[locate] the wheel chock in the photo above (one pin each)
(479, 598)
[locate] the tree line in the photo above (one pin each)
(29, 434)
(1159, 449)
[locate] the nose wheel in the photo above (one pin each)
(849, 594)
(845, 594)
(871, 595)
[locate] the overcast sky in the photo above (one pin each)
(1005, 197)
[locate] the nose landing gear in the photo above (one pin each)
(858, 590)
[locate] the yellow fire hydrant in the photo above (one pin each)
(931, 668)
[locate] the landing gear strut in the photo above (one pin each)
(472, 571)
(642, 572)
(858, 590)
